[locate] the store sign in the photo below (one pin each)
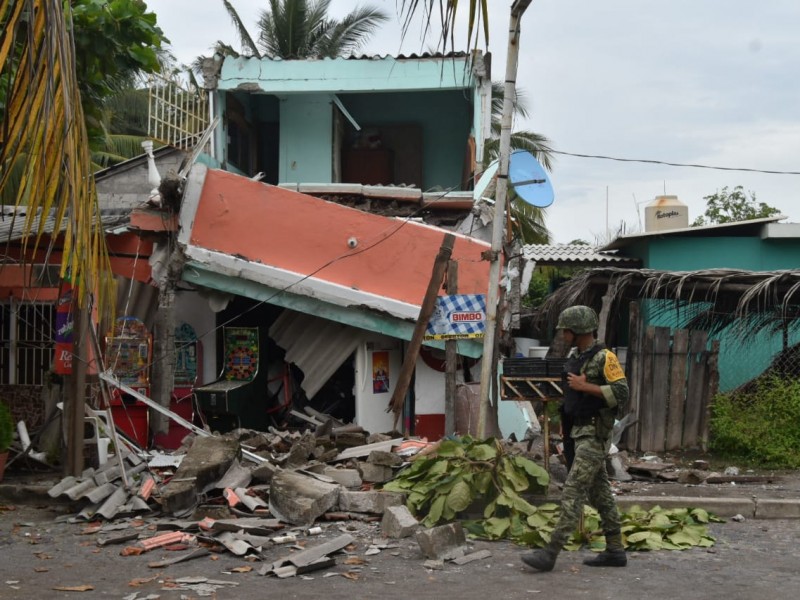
(457, 317)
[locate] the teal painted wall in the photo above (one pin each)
(306, 139)
(692, 254)
(445, 119)
(306, 130)
(740, 360)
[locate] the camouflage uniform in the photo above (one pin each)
(587, 479)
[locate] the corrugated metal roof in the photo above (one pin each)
(573, 254)
(12, 222)
(318, 347)
(387, 56)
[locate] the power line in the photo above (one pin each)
(672, 164)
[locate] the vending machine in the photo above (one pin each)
(129, 347)
(238, 398)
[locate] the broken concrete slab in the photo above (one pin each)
(444, 542)
(372, 473)
(300, 451)
(264, 472)
(387, 459)
(361, 451)
(207, 460)
(373, 501)
(398, 522)
(300, 499)
(349, 478)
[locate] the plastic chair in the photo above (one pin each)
(100, 431)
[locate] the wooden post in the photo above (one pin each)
(711, 390)
(605, 311)
(677, 388)
(695, 388)
(633, 370)
(451, 360)
(76, 403)
(425, 312)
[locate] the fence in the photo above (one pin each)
(673, 378)
(178, 114)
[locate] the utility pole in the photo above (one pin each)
(518, 8)
(451, 359)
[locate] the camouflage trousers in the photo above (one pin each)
(587, 482)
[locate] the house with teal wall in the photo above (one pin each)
(756, 245)
(417, 121)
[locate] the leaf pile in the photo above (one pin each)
(465, 470)
(671, 529)
(467, 473)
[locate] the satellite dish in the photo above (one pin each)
(485, 180)
(529, 179)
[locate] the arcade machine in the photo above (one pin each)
(128, 350)
(188, 366)
(238, 398)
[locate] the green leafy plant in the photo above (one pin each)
(6, 427)
(759, 426)
(671, 529)
(465, 471)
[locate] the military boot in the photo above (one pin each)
(614, 554)
(543, 559)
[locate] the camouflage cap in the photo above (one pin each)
(578, 319)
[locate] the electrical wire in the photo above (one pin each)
(673, 164)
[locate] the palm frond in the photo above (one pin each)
(43, 126)
(444, 13)
(536, 144)
(349, 34)
(244, 35)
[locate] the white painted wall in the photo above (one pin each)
(371, 407)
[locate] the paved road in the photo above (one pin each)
(752, 559)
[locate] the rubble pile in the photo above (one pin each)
(289, 500)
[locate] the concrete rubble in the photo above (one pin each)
(294, 501)
(308, 497)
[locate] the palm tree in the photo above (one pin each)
(294, 29)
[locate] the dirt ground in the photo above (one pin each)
(751, 559)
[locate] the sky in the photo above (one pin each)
(702, 82)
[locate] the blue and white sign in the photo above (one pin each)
(457, 317)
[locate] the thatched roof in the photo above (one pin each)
(708, 299)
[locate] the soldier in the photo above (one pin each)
(595, 390)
